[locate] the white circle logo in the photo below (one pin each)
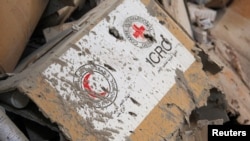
(138, 31)
(98, 83)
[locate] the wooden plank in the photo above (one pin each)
(177, 9)
(241, 7)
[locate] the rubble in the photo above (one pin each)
(164, 71)
(202, 19)
(200, 13)
(218, 50)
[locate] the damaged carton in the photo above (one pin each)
(125, 72)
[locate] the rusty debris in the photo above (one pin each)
(104, 70)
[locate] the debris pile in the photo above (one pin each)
(222, 48)
(50, 77)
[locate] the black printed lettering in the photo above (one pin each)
(159, 51)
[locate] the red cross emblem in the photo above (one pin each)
(139, 31)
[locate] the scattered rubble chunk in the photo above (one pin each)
(200, 35)
(202, 19)
(205, 23)
(201, 12)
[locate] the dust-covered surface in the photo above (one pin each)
(102, 87)
(231, 47)
(225, 61)
(127, 88)
(122, 74)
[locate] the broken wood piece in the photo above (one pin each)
(178, 10)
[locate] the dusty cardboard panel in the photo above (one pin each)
(170, 24)
(135, 70)
(174, 109)
(57, 110)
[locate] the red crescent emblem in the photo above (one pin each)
(88, 88)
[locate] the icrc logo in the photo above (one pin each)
(98, 83)
(138, 31)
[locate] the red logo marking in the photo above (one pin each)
(88, 88)
(139, 31)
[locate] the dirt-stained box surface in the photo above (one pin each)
(126, 72)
